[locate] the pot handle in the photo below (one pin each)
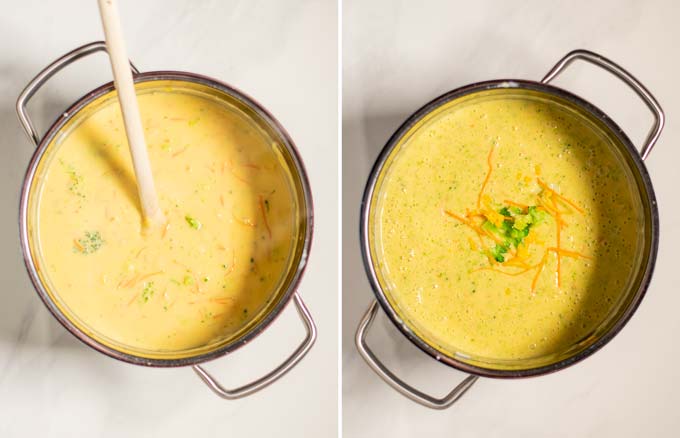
(627, 78)
(45, 75)
(394, 381)
(276, 373)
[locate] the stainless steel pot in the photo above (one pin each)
(288, 286)
(632, 297)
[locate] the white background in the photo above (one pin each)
(284, 54)
(397, 55)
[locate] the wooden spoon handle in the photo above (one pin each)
(122, 78)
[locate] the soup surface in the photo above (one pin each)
(505, 229)
(205, 273)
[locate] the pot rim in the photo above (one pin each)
(376, 170)
(273, 312)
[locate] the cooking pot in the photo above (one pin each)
(287, 287)
(640, 183)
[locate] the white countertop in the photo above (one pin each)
(284, 54)
(399, 55)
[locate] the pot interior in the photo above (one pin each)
(239, 216)
(461, 229)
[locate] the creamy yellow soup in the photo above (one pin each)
(207, 271)
(505, 229)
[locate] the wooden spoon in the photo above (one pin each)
(122, 79)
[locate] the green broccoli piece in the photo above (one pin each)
(90, 243)
(489, 226)
(193, 223)
(148, 291)
(498, 251)
(523, 222)
(537, 215)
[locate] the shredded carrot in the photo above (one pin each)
(134, 297)
(455, 216)
(554, 208)
(570, 203)
(236, 175)
(543, 206)
(471, 214)
(488, 175)
(78, 245)
(129, 282)
(562, 198)
(233, 263)
(264, 216)
(165, 230)
(222, 200)
(179, 152)
(538, 273)
(568, 253)
(243, 180)
(516, 204)
(492, 236)
(472, 226)
(251, 166)
(516, 262)
(120, 283)
(557, 215)
(247, 222)
(479, 235)
(137, 278)
(480, 231)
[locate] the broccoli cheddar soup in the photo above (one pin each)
(207, 271)
(505, 228)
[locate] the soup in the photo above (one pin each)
(505, 228)
(201, 276)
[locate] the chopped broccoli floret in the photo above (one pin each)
(193, 223)
(498, 251)
(488, 226)
(522, 222)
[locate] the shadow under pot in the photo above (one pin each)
(509, 229)
(238, 203)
